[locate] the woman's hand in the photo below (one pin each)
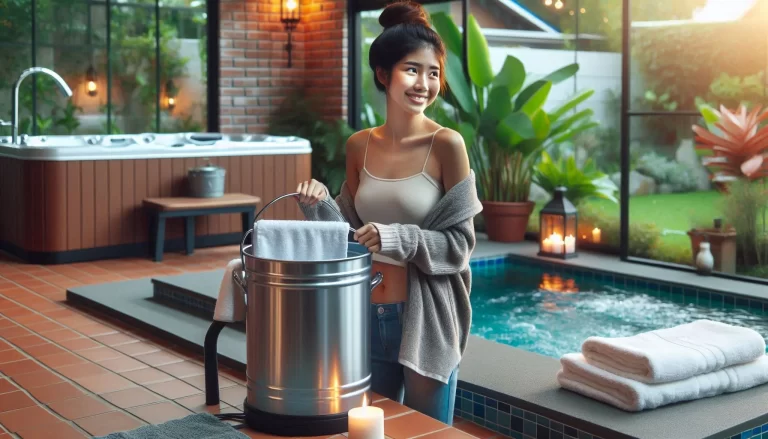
(368, 235)
(311, 192)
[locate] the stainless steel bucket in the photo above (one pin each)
(307, 341)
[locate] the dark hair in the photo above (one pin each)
(406, 29)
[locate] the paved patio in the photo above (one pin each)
(67, 374)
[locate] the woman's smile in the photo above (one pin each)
(417, 99)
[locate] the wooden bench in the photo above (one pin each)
(188, 208)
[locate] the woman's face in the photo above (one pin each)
(415, 81)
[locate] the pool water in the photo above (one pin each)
(552, 313)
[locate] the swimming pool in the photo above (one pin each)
(552, 311)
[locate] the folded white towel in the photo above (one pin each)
(230, 305)
(581, 377)
(676, 353)
(290, 240)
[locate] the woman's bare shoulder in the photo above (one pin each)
(451, 152)
(356, 142)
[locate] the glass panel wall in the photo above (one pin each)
(183, 70)
(549, 36)
(15, 56)
(685, 64)
(76, 38)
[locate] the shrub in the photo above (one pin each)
(698, 52)
(675, 176)
(643, 237)
(673, 253)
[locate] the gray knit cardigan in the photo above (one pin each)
(437, 315)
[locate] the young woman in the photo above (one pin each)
(410, 195)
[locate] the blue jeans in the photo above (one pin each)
(398, 383)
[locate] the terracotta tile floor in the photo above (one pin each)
(69, 373)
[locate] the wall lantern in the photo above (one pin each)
(90, 86)
(170, 95)
(557, 227)
(290, 15)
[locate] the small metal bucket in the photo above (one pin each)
(307, 340)
(206, 181)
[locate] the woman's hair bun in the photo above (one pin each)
(403, 12)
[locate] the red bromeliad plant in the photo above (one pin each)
(734, 145)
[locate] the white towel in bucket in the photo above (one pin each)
(290, 240)
(581, 377)
(675, 353)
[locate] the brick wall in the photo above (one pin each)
(255, 76)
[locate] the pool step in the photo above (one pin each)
(194, 293)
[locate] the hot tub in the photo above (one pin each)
(78, 198)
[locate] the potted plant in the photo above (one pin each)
(503, 123)
(733, 144)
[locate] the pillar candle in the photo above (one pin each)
(570, 244)
(596, 235)
(557, 244)
(366, 422)
(546, 245)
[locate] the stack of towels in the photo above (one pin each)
(691, 361)
(281, 240)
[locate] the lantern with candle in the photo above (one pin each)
(557, 227)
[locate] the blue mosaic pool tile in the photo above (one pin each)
(514, 422)
(511, 421)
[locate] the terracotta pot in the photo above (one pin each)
(506, 222)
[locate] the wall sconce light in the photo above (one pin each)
(290, 15)
(170, 95)
(90, 86)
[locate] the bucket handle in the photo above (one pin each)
(292, 194)
(376, 280)
(239, 281)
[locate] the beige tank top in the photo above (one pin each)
(396, 200)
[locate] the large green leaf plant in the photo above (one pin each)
(581, 183)
(501, 118)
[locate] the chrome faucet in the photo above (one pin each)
(31, 71)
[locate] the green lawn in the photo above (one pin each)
(679, 212)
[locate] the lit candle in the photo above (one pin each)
(570, 244)
(557, 243)
(596, 235)
(546, 245)
(366, 422)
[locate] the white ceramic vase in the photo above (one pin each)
(705, 262)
